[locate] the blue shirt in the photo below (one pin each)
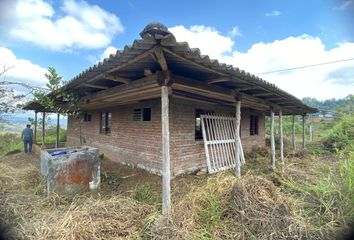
(27, 134)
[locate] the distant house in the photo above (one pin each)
(124, 105)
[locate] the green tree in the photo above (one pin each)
(59, 99)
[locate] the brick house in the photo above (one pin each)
(143, 105)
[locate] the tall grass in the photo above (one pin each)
(10, 142)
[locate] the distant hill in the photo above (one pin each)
(16, 122)
(329, 105)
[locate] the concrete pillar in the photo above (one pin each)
(166, 172)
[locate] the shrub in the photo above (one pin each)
(341, 136)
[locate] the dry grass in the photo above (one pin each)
(217, 206)
(28, 214)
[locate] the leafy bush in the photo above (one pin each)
(341, 136)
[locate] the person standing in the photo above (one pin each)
(27, 137)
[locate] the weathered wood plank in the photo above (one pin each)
(219, 80)
(94, 86)
(160, 58)
(116, 78)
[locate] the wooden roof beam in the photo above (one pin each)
(194, 63)
(263, 94)
(94, 86)
(159, 57)
(116, 78)
(219, 80)
(240, 89)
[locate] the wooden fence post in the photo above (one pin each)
(43, 130)
(57, 131)
(35, 127)
(237, 140)
(281, 136)
(311, 132)
(303, 132)
(166, 178)
(272, 142)
(293, 133)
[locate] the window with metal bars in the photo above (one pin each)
(142, 114)
(253, 125)
(106, 120)
(198, 127)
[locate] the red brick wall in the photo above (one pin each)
(130, 142)
(187, 154)
(139, 143)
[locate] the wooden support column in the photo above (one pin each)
(237, 140)
(57, 132)
(272, 142)
(293, 133)
(43, 130)
(311, 132)
(303, 133)
(281, 136)
(166, 178)
(35, 127)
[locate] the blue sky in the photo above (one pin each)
(258, 36)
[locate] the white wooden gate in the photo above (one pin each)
(219, 142)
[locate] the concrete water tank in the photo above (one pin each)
(72, 170)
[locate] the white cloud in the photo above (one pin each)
(326, 81)
(273, 13)
(323, 82)
(207, 39)
(100, 57)
(21, 70)
(107, 52)
(77, 25)
(235, 32)
(345, 5)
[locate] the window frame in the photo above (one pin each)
(254, 125)
(198, 134)
(142, 114)
(105, 123)
(87, 117)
